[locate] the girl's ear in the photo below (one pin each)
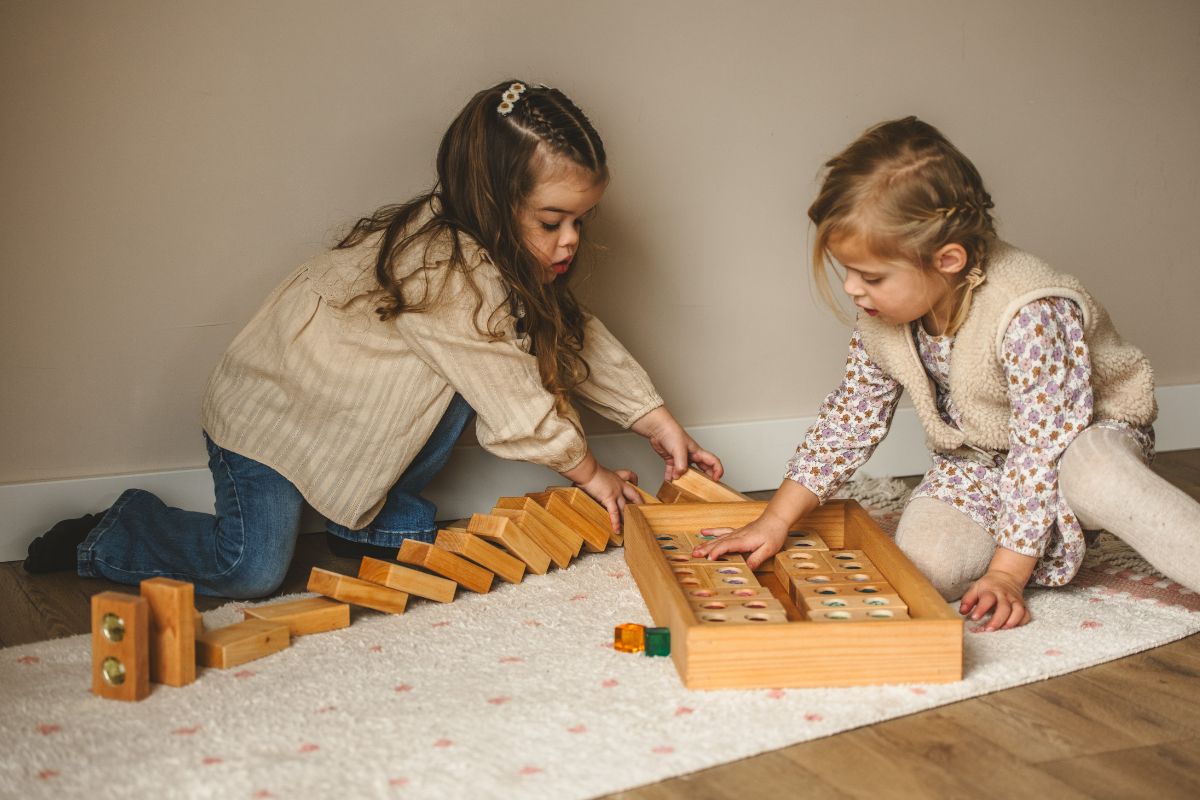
(950, 259)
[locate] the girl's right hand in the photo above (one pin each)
(611, 489)
(762, 539)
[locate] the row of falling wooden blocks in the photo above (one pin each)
(530, 533)
(836, 585)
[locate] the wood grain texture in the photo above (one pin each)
(558, 504)
(358, 592)
(403, 579)
(448, 565)
(492, 558)
(506, 533)
(241, 643)
(304, 616)
(172, 630)
(547, 521)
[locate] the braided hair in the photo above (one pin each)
(488, 164)
(905, 192)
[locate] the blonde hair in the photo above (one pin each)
(904, 191)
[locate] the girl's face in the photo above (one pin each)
(554, 213)
(900, 293)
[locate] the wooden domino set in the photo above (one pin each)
(840, 605)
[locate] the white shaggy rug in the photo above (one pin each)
(513, 694)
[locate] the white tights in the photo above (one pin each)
(1104, 481)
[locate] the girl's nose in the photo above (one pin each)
(851, 286)
(569, 237)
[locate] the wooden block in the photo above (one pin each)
(714, 575)
(647, 498)
(558, 550)
(739, 593)
(589, 509)
(848, 561)
(858, 615)
(403, 579)
(504, 532)
(804, 540)
(120, 646)
(446, 564)
(694, 486)
(730, 604)
(545, 519)
(558, 505)
(849, 599)
(356, 592)
(172, 606)
(677, 549)
(304, 616)
(244, 641)
(468, 545)
(730, 616)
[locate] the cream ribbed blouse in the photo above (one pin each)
(339, 402)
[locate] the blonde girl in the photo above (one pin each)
(1036, 412)
(349, 387)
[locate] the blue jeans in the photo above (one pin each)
(245, 548)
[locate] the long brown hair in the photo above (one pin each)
(905, 192)
(488, 163)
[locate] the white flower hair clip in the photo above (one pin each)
(510, 96)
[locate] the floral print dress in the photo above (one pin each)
(1015, 497)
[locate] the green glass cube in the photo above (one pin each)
(658, 641)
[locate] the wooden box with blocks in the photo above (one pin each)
(752, 642)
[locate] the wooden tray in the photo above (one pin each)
(924, 649)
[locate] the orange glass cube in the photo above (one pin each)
(629, 638)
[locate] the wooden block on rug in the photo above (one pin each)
(558, 550)
(172, 606)
(446, 564)
(694, 486)
(558, 505)
(242, 642)
(120, 646)
(356, 592)
(544, 519)
(403, 579)
(468, 545)
(506, 533)
(304, 616)
(589, 509)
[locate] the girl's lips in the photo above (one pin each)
(560, 267)
(871, 311)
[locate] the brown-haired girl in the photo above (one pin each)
(351, 384)
(1037, 413)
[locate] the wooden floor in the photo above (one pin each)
(1125, 729)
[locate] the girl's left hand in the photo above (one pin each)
(677, 448)
(1002, 595)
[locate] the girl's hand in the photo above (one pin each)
(609, 488)
(677, 448)
(1002, 595)
(762, 539)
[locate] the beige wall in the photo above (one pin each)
(165, 164)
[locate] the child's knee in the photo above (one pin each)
(950, 549)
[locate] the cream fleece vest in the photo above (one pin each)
(1122, 380)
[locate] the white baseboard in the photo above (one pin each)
(754, 454)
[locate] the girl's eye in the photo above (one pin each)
(872, 280)
(550, 226)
